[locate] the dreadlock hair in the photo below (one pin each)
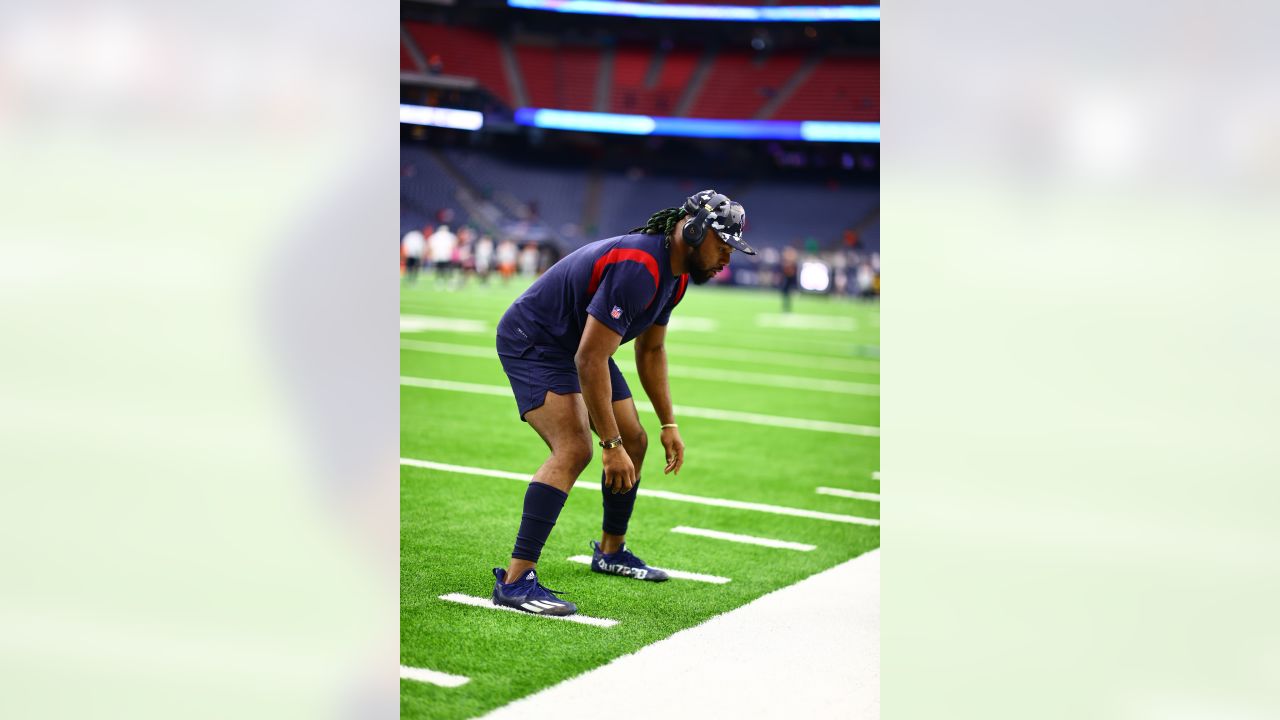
(662, 222)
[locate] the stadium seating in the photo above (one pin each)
(631, 67)
(740, 84)
(781, 214)
(628, 202)
(839, 88)
(559, 77)
(557, 194)
(424, 189)
(463, 51)
(778, 213)
(406, 60)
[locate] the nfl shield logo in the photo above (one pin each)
(616, 312)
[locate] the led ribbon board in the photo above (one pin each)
(441, 117)
(740, 13)
(808, 130)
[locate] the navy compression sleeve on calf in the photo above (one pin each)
(542, 505)
(617, 508)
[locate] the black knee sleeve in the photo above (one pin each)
(617, 507)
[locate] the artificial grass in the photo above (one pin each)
(454, 528)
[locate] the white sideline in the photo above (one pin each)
(744, 539)
(707, 413)
(677, 574)
(790, 382)
(661, 494)
(487, 603)
(811, 650)
(435, 677)
(852, 494)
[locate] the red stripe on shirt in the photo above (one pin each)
(684, 283)
(622, 255)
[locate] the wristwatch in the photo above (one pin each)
(611, 443)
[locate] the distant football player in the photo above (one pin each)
(790, 271)
(441, 245)
(556, 343)
(412, 247)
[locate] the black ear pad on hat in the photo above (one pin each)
(699, 212)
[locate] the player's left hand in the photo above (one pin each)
(674, 446)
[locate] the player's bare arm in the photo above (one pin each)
(651, 365)
(598, 344)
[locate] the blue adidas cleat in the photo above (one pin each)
(623, 563)
(528, 595)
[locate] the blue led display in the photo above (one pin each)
(739, 13)
(812, 131)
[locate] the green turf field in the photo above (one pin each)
(455, 527)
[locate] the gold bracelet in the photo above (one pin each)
(667, 425)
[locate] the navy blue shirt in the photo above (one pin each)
(624, 282)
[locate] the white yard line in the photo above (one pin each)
(775, 421)
(464, 470)
(425, 323)
(851, 494)
(759, 507)
(797, 321)
(749, 418)
(450, 348)
(660, 494)
(466, 387)
(677, 574)
(875, 475)
(744, 539)
(487, 603)
(435, 677)
(676, 348)
(865, 367)
(690, 323)
(821, 635)
(790, 382)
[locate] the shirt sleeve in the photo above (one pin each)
(626, 289)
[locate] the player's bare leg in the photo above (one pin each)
(611, 555)
(635, 441)
(563, 424)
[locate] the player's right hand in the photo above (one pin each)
(619, 472)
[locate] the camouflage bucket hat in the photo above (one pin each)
(726, 218)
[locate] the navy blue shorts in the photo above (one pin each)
(535, 369)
